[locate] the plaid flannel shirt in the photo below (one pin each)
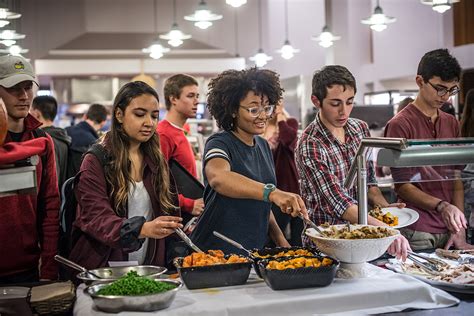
(323, 163)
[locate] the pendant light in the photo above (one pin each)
(155, 50)
(260, 58)
(236, 3)
(287, 51)
(6, 15)
(378, 20)
(14, 50)
(203, 17)
(175, 37)
(326, 38)
(9, 37)
(440, 6)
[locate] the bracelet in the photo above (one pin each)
(437, 205)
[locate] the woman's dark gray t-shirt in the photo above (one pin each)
(244, 220)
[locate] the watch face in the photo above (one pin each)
(269, 186)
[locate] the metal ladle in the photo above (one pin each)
(75, 266)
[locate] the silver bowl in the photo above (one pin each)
(143, 303)
(114, 273)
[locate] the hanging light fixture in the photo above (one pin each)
(6, 14)
(236, 3)
(203, 17)
(260, 58)
(287, 51)
(440, 6)
(14, 50)
(11, 35)
(175, 37)
(326, 38)
(155, 50)
(378, 20)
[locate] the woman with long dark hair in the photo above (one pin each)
(127, 207)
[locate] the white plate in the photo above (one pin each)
(447, 286)
(406, 216)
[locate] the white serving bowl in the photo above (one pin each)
(352, 250)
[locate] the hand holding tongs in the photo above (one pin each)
(186, 239)
(310, 223)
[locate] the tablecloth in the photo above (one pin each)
(384, 291)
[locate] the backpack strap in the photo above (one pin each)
(99, 151)
(38, 132)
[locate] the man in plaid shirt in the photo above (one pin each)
(325, 151)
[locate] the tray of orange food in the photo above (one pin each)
(286, 273)
(277, 252)
(213, 269)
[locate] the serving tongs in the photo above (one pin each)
(233, 243)
(186, 239)
(430, 265)
(308, 222)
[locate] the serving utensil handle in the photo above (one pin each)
(186, 239)
(230, 241)
(69, 263)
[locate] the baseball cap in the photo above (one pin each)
(15, 69)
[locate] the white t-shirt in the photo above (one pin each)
(139, 204)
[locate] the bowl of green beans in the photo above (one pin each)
(133, 292)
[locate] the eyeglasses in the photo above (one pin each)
(256, 110)
(442, 91)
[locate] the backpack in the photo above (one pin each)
(67, 211)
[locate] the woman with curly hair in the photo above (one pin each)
(239, 173)
(126, 207)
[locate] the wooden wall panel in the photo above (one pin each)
(463, 19)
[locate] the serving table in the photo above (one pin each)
(383, 291)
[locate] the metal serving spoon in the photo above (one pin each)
(75, 266)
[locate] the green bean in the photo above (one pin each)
(133, 284)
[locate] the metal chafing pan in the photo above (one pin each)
(109, 274)
(143, 303)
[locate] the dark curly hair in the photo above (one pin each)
(329, 76)
(232, 86)
(439, 63)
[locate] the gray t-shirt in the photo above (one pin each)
(244, 220)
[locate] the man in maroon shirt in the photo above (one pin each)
(440, 204)
(181, 97)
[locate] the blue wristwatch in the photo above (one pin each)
(267, 189)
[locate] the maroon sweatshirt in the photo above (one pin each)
(100, 229)
(29, 224)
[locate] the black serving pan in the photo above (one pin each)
(299, 277)
(214, 275)
(274, 251)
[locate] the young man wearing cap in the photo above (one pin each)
(29, 223)
(181, 97)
